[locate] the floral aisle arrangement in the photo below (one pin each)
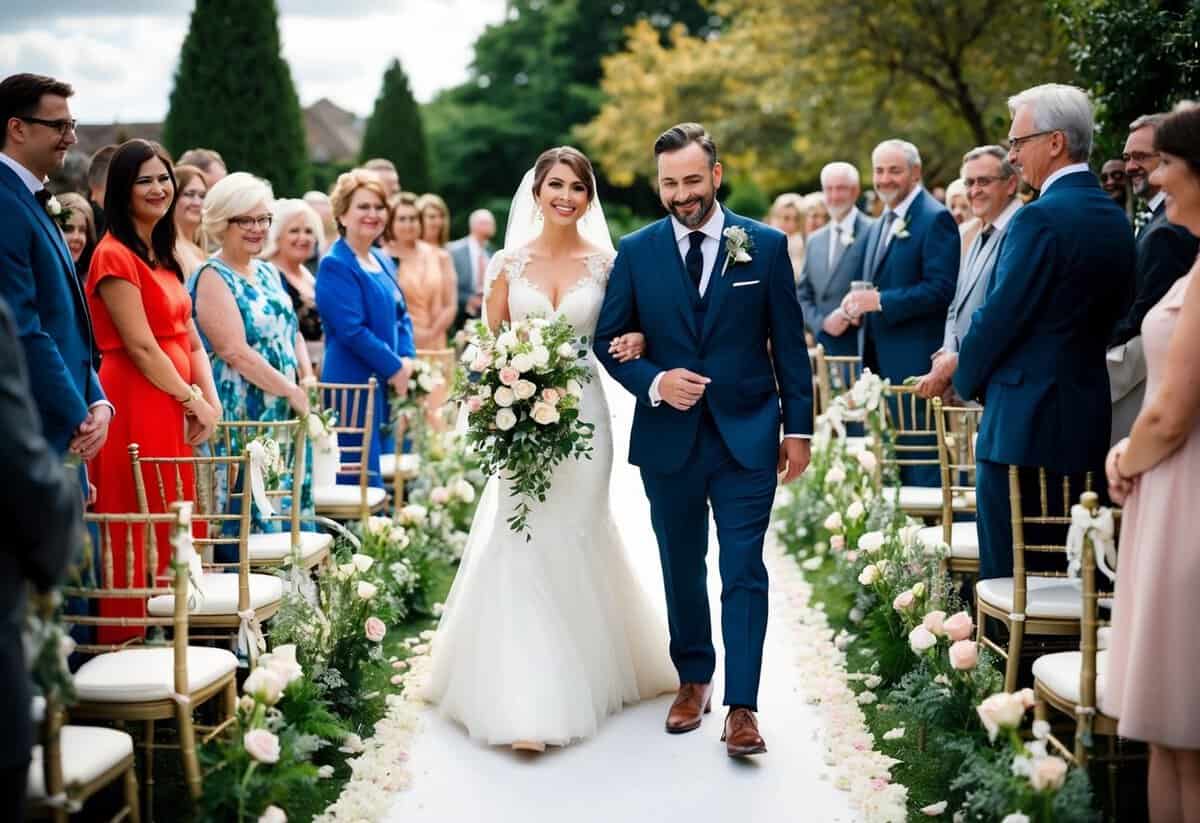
(425, 379)
(522, 397)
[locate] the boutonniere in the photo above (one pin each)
(901, 232)
(53, 207)
(847, 239)
(738, 246)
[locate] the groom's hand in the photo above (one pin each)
(794, 454)
(681, 389)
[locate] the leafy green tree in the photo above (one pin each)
(395, 131)
(234, 93)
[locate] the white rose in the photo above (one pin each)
(508, 340)
(575, 389)
(544, 414)
(835, 475)
(1015, 817)
(325, 772)
(274, 814)
(366, 590)
(855, 510)
(867, 460)
(742, 256)
(352, 744)
(566, 351)
(541, 357)
(524, 389)
(1000, 711)
(282, 661)
(522, 362)
(935, 809)
(504, 398)
(315, 425)
(535, 335)
(921, 639)
(264, 685)
(834, 522)
(54, 207)
(425, 382)
(414, 513)
(439, 495)
(262, 745)
(505, 419)
(469, 354)
(485, 392)
(871, 542)
(364, 562)
(869, 575)
(464, 491)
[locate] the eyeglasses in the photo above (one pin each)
(982, 181)
(246, 223)
(1139, 156)
(1015, 143)
(1117, 176)
(61, 126)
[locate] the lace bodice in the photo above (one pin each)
(579, 304)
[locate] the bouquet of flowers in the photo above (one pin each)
(522, 399)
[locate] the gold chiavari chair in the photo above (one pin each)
(230, 604)
(813, 367)
(912, 428)
(355, 407)
(150, 679)
(277, 548)
(1041, 603)
(957, 429)
(835, 374)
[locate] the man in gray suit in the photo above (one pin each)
(991, 183)
(471, 256)
(833, 257)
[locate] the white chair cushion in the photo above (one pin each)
(1044, 596)
(1060, 673)
(387, 465)
(854, 445)
(87, 753)
(139, 675)
(1103, 637)
(964, 539)
(221, 595)
(343, 496)
(278, 545)
(916, 497)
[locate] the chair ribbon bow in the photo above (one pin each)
(187, 559)
(258, 483)
(1102, 531)
(250, 641)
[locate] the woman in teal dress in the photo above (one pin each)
(247, 321)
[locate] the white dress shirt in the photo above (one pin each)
(846, 224)
(1063, 172)
(1156, 201)
(901, 212)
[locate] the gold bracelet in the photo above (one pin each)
(194, 393)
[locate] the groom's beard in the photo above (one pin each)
(697, 218)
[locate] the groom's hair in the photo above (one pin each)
(680, 136)
(21, 94)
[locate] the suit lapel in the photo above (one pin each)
(862, 232)
(669, 250)
(820, 274)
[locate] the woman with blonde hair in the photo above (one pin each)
(189, 206)
(426, 277)
(78, 224)
(435, 220)
(816, 213)
(295, 236)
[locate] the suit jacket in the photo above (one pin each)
(1035, 351)
(37, 279)
(975, 272)
(750, 305)
(464, 267)
(40, 508)
(916, 279)
(821, 291)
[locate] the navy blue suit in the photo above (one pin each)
(1034, 354)
(724, 450)
(37, 280)
(1165, 252)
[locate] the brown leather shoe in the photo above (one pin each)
(741, 737)
(691, 704)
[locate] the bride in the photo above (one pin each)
(541, 640)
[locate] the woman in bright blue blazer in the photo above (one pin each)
(368, 332)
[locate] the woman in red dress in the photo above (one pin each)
(154, 368)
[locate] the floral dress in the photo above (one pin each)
(270, 325)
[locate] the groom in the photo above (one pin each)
(725, 352)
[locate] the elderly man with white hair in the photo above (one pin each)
(471, 256)
(832, 259)
(1034, 353)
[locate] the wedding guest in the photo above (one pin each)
(1165, 252)
(991, 184)
(1033, 352)
(79, 230)
(189, 208)
(385, 170)
(367, 329)
(833, 258)
(435, 220)
(471, 255)
(296, 233)
(1114, 181)
(1155, 650)
(210, 163)
(154, 367)
(41, 509)
(319, 202)
(37, 277)
(787, 215)
(958, 202)
(425, 274)
(97, 178)
(939, 194)
(816, 212)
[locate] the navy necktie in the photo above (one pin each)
(43, 196)
(881, 247)
(694, 262)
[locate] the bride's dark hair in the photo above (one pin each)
(573, 159)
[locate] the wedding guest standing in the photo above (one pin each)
(79, 230)
(435, 220)
(816, 212)
(385, 170)
(97, 178)
(787, 215)
(1114, 181)
(189, 207)
(367, 329)
(1033, 352)
(1154, 662)
(155, 368)
(296, 234)
(958, 202)
(37, 277)
(210, 163)
(471, 256)
(425, 276)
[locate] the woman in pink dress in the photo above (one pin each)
(1154, 663)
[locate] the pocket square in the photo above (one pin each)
(746, 283)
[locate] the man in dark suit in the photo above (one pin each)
(912, 262)
(37, 277)
(832, 258)
(1165, 252)
(471, 255)
(1034, 349)
(40, 507)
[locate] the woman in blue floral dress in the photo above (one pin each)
(247, 321)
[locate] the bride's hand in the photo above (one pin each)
(628, 347)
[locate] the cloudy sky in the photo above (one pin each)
(121, 55)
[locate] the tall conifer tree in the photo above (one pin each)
(395, 131)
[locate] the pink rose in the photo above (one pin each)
(262, 745)
(474, 404)
(481, 363)
(550, 396)
(903, 601)
(958, 626)
(934, 622)
(964, 655)
(1048, 773)
(1027, 697)
(837, 542)
(376, 629)
(439, 496)
(851, 557)
(509, 375)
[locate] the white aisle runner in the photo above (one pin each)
(633, 771)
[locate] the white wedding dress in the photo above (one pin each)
(541, 640)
